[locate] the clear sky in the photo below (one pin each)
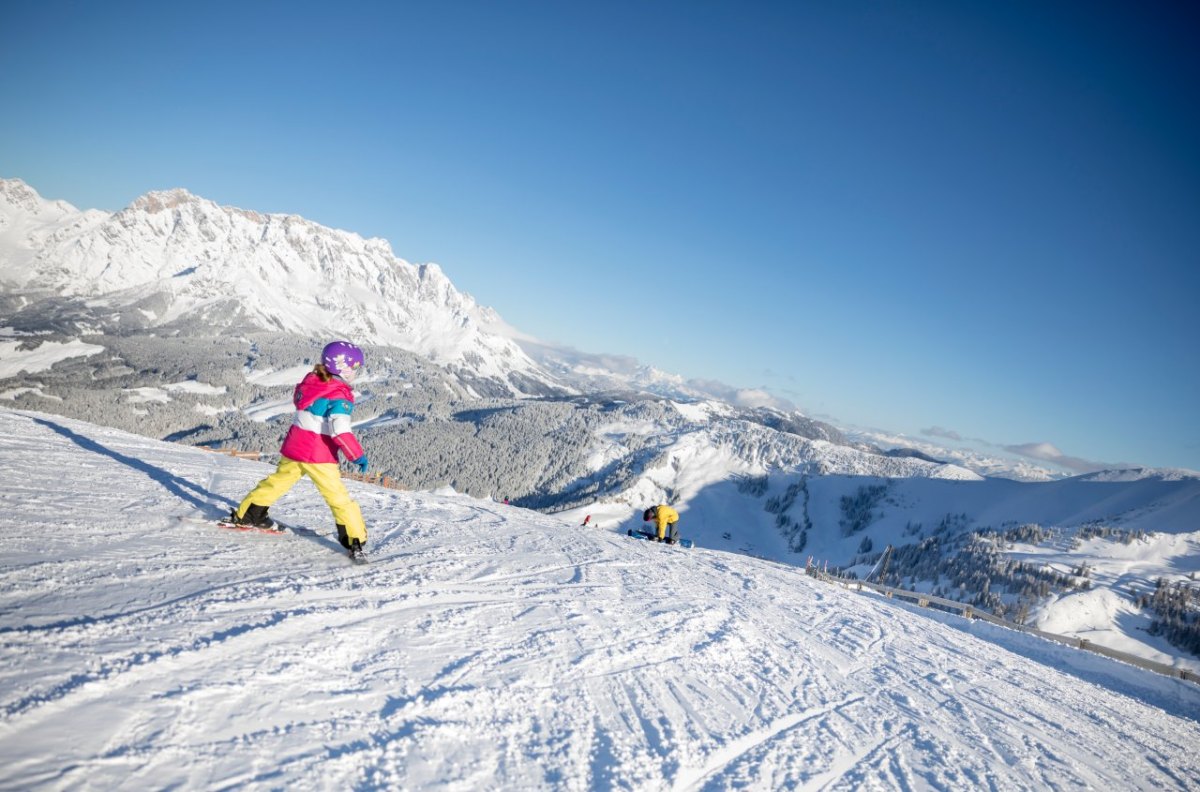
(970, 219)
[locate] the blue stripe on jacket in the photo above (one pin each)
(327, 408)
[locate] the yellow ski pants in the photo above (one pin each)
(329, 483)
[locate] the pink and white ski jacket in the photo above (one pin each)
(322, 424)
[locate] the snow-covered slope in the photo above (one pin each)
(743, 488)
(174, 259)
(486, 646)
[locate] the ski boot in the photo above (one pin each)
(255, 516)
(354, 548)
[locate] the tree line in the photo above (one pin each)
(1175, 607)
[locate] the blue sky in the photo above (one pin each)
(978, 219)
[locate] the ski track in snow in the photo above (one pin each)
(486, 646)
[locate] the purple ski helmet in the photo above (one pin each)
(342, 359)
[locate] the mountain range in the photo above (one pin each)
(184, 320)
(172, 261)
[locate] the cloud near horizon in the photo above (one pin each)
(937, 431)
(754, 397)
(742, 397)
(1048, 452)
(1042, 452)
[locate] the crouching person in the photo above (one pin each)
(666, 520)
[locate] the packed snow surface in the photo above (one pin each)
(489, 647)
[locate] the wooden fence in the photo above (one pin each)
(972, 612)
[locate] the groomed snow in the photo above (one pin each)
(489, 647)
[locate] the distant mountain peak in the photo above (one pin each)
(17, 191)
(162, 200)
(17, 194)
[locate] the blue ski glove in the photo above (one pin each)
(361, 462)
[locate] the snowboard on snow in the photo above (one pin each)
(356, 557)
(232, 526)
(649, 535)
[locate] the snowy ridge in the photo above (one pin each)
(1142, 474)
(177, 257)
(595, 373)
(698, 463)
(764, 449)
(1016, 468)
(533, 656)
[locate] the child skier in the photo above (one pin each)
(665, 517)
(319, 431)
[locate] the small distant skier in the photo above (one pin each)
(667, 522)
(586, 520)
(319, 431)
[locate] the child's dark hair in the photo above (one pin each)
(322, 372)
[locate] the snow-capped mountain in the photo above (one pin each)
(172, 259)
(490, 647)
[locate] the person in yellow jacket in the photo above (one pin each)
(667, 520)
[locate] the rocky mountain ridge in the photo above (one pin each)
(173, 260)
